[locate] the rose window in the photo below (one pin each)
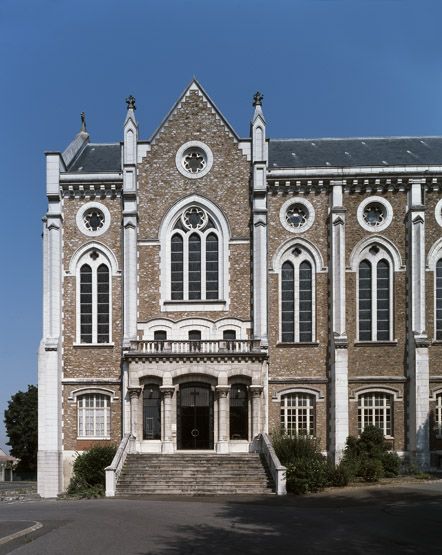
(297, 215)
(194, 160)
(93, 219)
(194, 218)
(374, 214)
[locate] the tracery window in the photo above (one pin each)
(93, 415)
(195, 257)
(375, 299)
(375, 409)
(94, 299)
(297, 298)
(298, 414)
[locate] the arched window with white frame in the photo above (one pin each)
(438, 300)
(298, 413)
(194, 245)
(94, 298)
(297, 294)
(375, 408)
(375, 295)
(93, 416)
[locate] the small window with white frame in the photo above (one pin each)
(376, 409)
(94, 416)
(298, 414)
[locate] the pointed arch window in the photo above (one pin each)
(195, 257)
(375, 300)
(94, 299)
(438, 300)
(297, 298)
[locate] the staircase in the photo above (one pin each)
(194, 474)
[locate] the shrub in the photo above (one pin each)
(368, 457)
(88, 478)
(391, 463)
(371, 470)
(339, 476)
(307, 469)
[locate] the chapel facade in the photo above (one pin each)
(201, 288)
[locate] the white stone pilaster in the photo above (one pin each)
(338, 427)
(222, 445)
(255, 391)
(49, 460)
(167, 440)
(418, 357)
(134, 395)
(259, 208)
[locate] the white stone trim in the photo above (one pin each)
(80, 222)
(434, 254)
(374, 389)
(210, 331)
(352, 170)
(179, 159)
(91, 390)
(374, 260)
(388, 217)
(357, 253)
(297, 200)
(283, 249)
(315, 392)
(438, 212)
(93, 245)
(94, 264)
(165, 234)
(296, 261)
(435, 392)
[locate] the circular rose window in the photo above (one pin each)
(194, 218)
(194, 159)
(93, 219)
(297, 215)
(375, 213)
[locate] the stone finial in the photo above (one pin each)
(258, 98)
(130, 101)
(83, 121)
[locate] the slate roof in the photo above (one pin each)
(303, 153)
(98, 158)
(391, 151)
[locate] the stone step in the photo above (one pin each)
(194, 474)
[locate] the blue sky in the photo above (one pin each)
(326, 68)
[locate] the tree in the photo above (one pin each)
(21, 418)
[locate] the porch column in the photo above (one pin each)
(2, 472)
(134, 393)
(222, 445)
(167, 393)
(255, 391)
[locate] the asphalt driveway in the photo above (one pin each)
(404, 519)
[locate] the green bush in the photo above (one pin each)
(367, 457)
(339, 476)
(371, 470)
(88, 478)
(391, 463)
(307, 469)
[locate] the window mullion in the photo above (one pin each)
(186, 267)
(203, 238)
(374, 301)
(296, 300)
(94, 304)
